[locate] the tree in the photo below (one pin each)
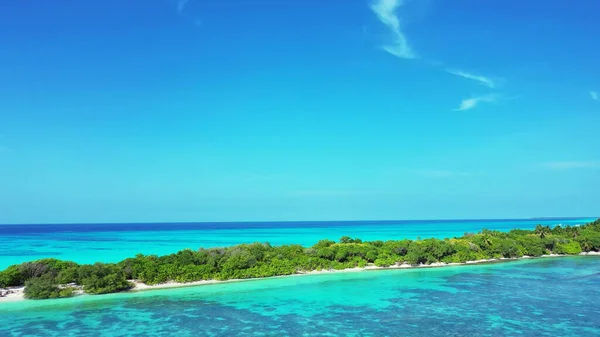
(542, 231)
(101, 278)
(40, 288)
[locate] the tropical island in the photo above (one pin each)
(53, 278)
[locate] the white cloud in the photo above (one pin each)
(467, 104)
(470, 103)
(571, 165)
(481, 79)
(386, 13)
(594, 96)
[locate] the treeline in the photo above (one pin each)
(52, 278)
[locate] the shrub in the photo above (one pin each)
(568, 247)
(385, 261)
(40, 288)
(11, 277)
(102, 278)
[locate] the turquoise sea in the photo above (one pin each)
(532, 297)
(535, 297)
(89, 243)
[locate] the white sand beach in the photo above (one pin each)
(12, 294)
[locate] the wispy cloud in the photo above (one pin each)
(470, 103)
(5, 151)
(181, 5)
(594, 96)
(181, 10)
(256, 177)
(386, 13)
(264, 177)
(336, 193)
(487, 81)
(440, 173)
(572, 165)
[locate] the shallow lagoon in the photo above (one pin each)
(533, 297)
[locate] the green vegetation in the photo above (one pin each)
(44, 287)
(46, 278)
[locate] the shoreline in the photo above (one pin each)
(16, 294)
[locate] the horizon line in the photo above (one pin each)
(295, 221)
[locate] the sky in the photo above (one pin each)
(270, 110)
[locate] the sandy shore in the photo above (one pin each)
(16, 293)
(590, 253)
(12, 294)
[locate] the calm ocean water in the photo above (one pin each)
(89, 243)
(536, 297)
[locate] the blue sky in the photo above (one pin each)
(205, 110)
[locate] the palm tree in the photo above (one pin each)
(586, 245)
(542, 230)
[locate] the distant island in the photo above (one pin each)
(560, 218)
(53, 278)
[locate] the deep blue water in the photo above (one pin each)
(37, 229)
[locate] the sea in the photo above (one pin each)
(555, 296)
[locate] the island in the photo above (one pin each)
(53, 278)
